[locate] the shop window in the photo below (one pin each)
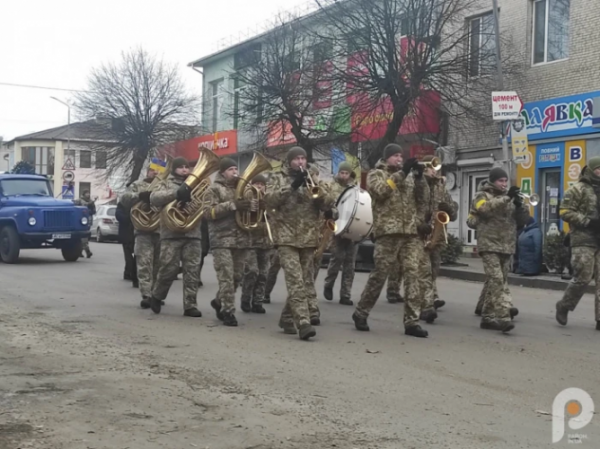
(41, 158)
(550, 30)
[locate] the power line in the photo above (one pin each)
(30, 86)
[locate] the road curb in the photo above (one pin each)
(520, 281)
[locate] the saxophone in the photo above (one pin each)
(440, 220)
(329, 227)
(145, 217)
(182, 217)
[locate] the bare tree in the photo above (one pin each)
(282, 88)
(146, 106)
(396, 58)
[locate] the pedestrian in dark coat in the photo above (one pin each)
(127, 240)
(530, 249)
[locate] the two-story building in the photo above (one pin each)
(68, 155)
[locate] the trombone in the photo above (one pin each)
(314, 191)
(533, 199)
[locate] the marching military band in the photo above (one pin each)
(259, 223)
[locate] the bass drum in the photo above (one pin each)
(355, 220)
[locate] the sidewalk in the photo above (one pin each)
(471, 269)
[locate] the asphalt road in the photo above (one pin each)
(81, 366)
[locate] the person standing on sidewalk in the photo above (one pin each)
(497, 214)
(581, 209)
(86, 201)
(343, 251)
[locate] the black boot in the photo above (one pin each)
(155, 305)
(200, 284)
(258, 308)
(478, 310)
(429, 316)
(135, 283)
(416, 331)
(328, 293)
(393, 299)
(315, 321)
(346, 302)
(439, 303)
(307, 331)
(215, 304)
(360, 323)
(513, 312)
(229, 319)
(598, 325)
(89, 254)
(145, 303)
(267, 299)
(246, 307)
(562, 313)
(288, 328)
(192, 312)
(495, 325)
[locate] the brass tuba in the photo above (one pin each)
(145, 217)
(249, 220)
(182, 217)
(329, 227)
(440, 220)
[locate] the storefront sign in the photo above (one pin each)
(596, 113)
(226, 144)
(520, 143)
(550, 155)
(506, 106)
(560, 117)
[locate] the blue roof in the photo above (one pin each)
(16, 175)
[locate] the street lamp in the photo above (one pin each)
(68, 121)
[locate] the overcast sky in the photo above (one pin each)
(54, 43)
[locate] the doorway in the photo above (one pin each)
(550, 194)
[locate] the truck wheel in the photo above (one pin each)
(72, 252)
(10, 245)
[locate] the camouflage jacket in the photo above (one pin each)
(337, 187)
(131, 197)
(296, 218)
(399, 202)
(579, 206)
(165, 193)
(91, 205)
(439, 194)
(220, 214)
(497, 219)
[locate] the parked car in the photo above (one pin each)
(105, 226)
(364, 257)
(31, 218)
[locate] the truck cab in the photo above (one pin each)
(30, 218)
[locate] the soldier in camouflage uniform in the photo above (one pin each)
(257, 263)
(496, 213)
(581, 209)
(398, 198)
(175, 247)
(274, 268)
(343, 251)
(295, 226)
(86, 201)
(228, 242)
(393, 284)
(439, 201)
(147, 244)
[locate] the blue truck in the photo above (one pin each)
(30, 218)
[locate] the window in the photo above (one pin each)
(84, 186)
(42, 158)
(482, 45)
(358, 41)
(36, 187)
(238, 115)
(85, 159)
(100, 159)
(111, 211)
(217, 96)
(247, 57)
(322, 52)
(291, 61)
(550, 30)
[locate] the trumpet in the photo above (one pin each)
(314, 191)
(435, 163)
(533, 199)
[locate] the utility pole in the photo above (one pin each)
(68, 121)
(506, 159)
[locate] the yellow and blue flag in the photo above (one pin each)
(158, 165)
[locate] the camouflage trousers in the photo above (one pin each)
(317, 266)
(298, 268)
(495, 300)
(172, 252)
(388, 248)
(147, 256)
(343, 256)
(255, 275)
(395, 277)
(586, 267)
(395, 280)
(274, 268)
(85, 246)
(229, 265)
